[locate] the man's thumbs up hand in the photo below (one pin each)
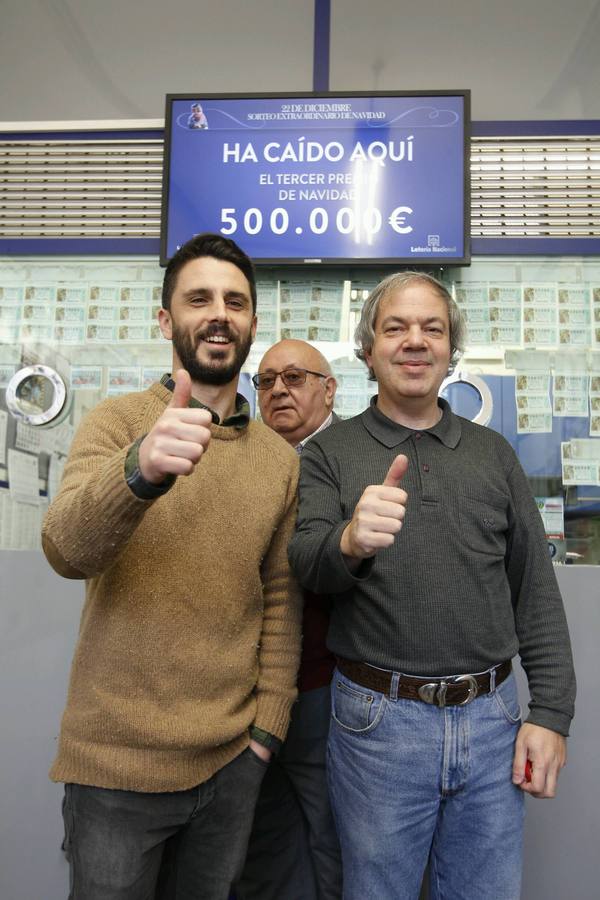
(396, 472)
(182, 392)
(378, 516)
(179, 437)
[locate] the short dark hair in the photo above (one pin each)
(215, 246)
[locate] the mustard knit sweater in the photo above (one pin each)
(190, 631)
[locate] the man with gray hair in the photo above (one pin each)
(422, 526)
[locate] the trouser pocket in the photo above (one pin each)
(67, 814)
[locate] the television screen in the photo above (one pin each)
(320, 178)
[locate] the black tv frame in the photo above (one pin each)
(430, 262)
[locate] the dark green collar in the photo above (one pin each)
(390, 433)
(240, 417)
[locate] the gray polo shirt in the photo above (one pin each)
(467, 583)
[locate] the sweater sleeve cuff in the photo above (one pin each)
(143, 490)
(273, 713)
(265, 739)
(333, 560)
(551, 719)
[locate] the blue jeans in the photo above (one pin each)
(408, 779)
(185, 845)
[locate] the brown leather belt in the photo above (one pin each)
(453, 691)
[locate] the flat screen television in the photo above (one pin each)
(336, 178)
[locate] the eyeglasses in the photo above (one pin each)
(291, 378)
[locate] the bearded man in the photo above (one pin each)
(177, 510)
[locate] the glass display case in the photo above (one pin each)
(531, 369)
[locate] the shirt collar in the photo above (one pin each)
(239, 419)
(390, 434)
(300, 446)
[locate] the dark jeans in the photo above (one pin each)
(187, 845)
(293, 853)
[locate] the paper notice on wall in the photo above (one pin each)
(310, 311)
(529, 360)
(532, 401)
(540, 315)
(68, 294)
(6, 373)
(539, 335)
(354, 389)
(472, 299)
(69, 334)
(86, 378)
(578, 470)
(150, 375)
(570, 393)
(102, 313)
(104, 293)
(541, 296)
(532, 390)
(139, 314)
(57, 440)
(585, 448)
(478, 335)
(23, 477)
(55, 473)
(136, 334)
(574, 315)
(294, 291)
(136, 293)
(596, 315)
(33, 331)
(570, 403)
(471, 292)
(505, 311)
(532, 397)
(594, 393)
(124, 380)
(70, 315)
(552, 511)
(570, 385)
(594, 416)
(505, 294)
(3, 428)
(101, 334)
(28, 437)
(266, 290)
(534, 423)
(478, 324)
(12, 293)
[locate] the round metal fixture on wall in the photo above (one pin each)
(36, 395)
(484, 416)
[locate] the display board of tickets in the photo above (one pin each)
(536, 322)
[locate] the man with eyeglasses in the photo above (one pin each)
(293, 851)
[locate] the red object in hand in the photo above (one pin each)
(528, 770)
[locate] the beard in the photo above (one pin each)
(216, 372)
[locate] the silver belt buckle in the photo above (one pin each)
(473, 688)
(434, 692)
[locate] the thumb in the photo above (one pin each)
(396, 471)
(182, 391)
